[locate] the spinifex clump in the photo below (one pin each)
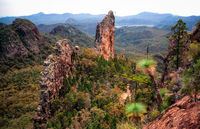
(148, 66)
(135, 111)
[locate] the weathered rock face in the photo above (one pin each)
(56, 68)
(104, 39)
(184, 114)
(196, 33)
(19, 38)
(10, 44)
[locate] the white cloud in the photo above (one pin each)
(122, 7)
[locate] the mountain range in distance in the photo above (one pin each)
(84, 21)
(132, 34)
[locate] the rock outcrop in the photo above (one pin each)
(196, 33)
(28, 33)
(184, 114)
(10, 44)
(104, 39)
(19, 39)
(56, 68)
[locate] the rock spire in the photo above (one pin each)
(104, 39)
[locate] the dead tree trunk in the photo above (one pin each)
(155, 86)
(165, 70)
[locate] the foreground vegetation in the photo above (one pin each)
(95, 88)
(19, 97)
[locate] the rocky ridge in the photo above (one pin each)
(19, 39)
(56, 68)
(183, 114)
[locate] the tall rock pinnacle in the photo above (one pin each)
(104, 39)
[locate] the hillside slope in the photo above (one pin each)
(19, 39)
(75, 36)
(21, 44)
(134, 40)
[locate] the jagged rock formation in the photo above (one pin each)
(19, 39)
(184, 114)
(56, 68)
(104, 39)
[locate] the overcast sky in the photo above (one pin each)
(120, 7)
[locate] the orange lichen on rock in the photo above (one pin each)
(104, 39)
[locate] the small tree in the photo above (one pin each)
(175, 49)
(178, 39)
(147, 51)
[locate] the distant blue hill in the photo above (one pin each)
(84, 20)
(158, 20)
(41, 18)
